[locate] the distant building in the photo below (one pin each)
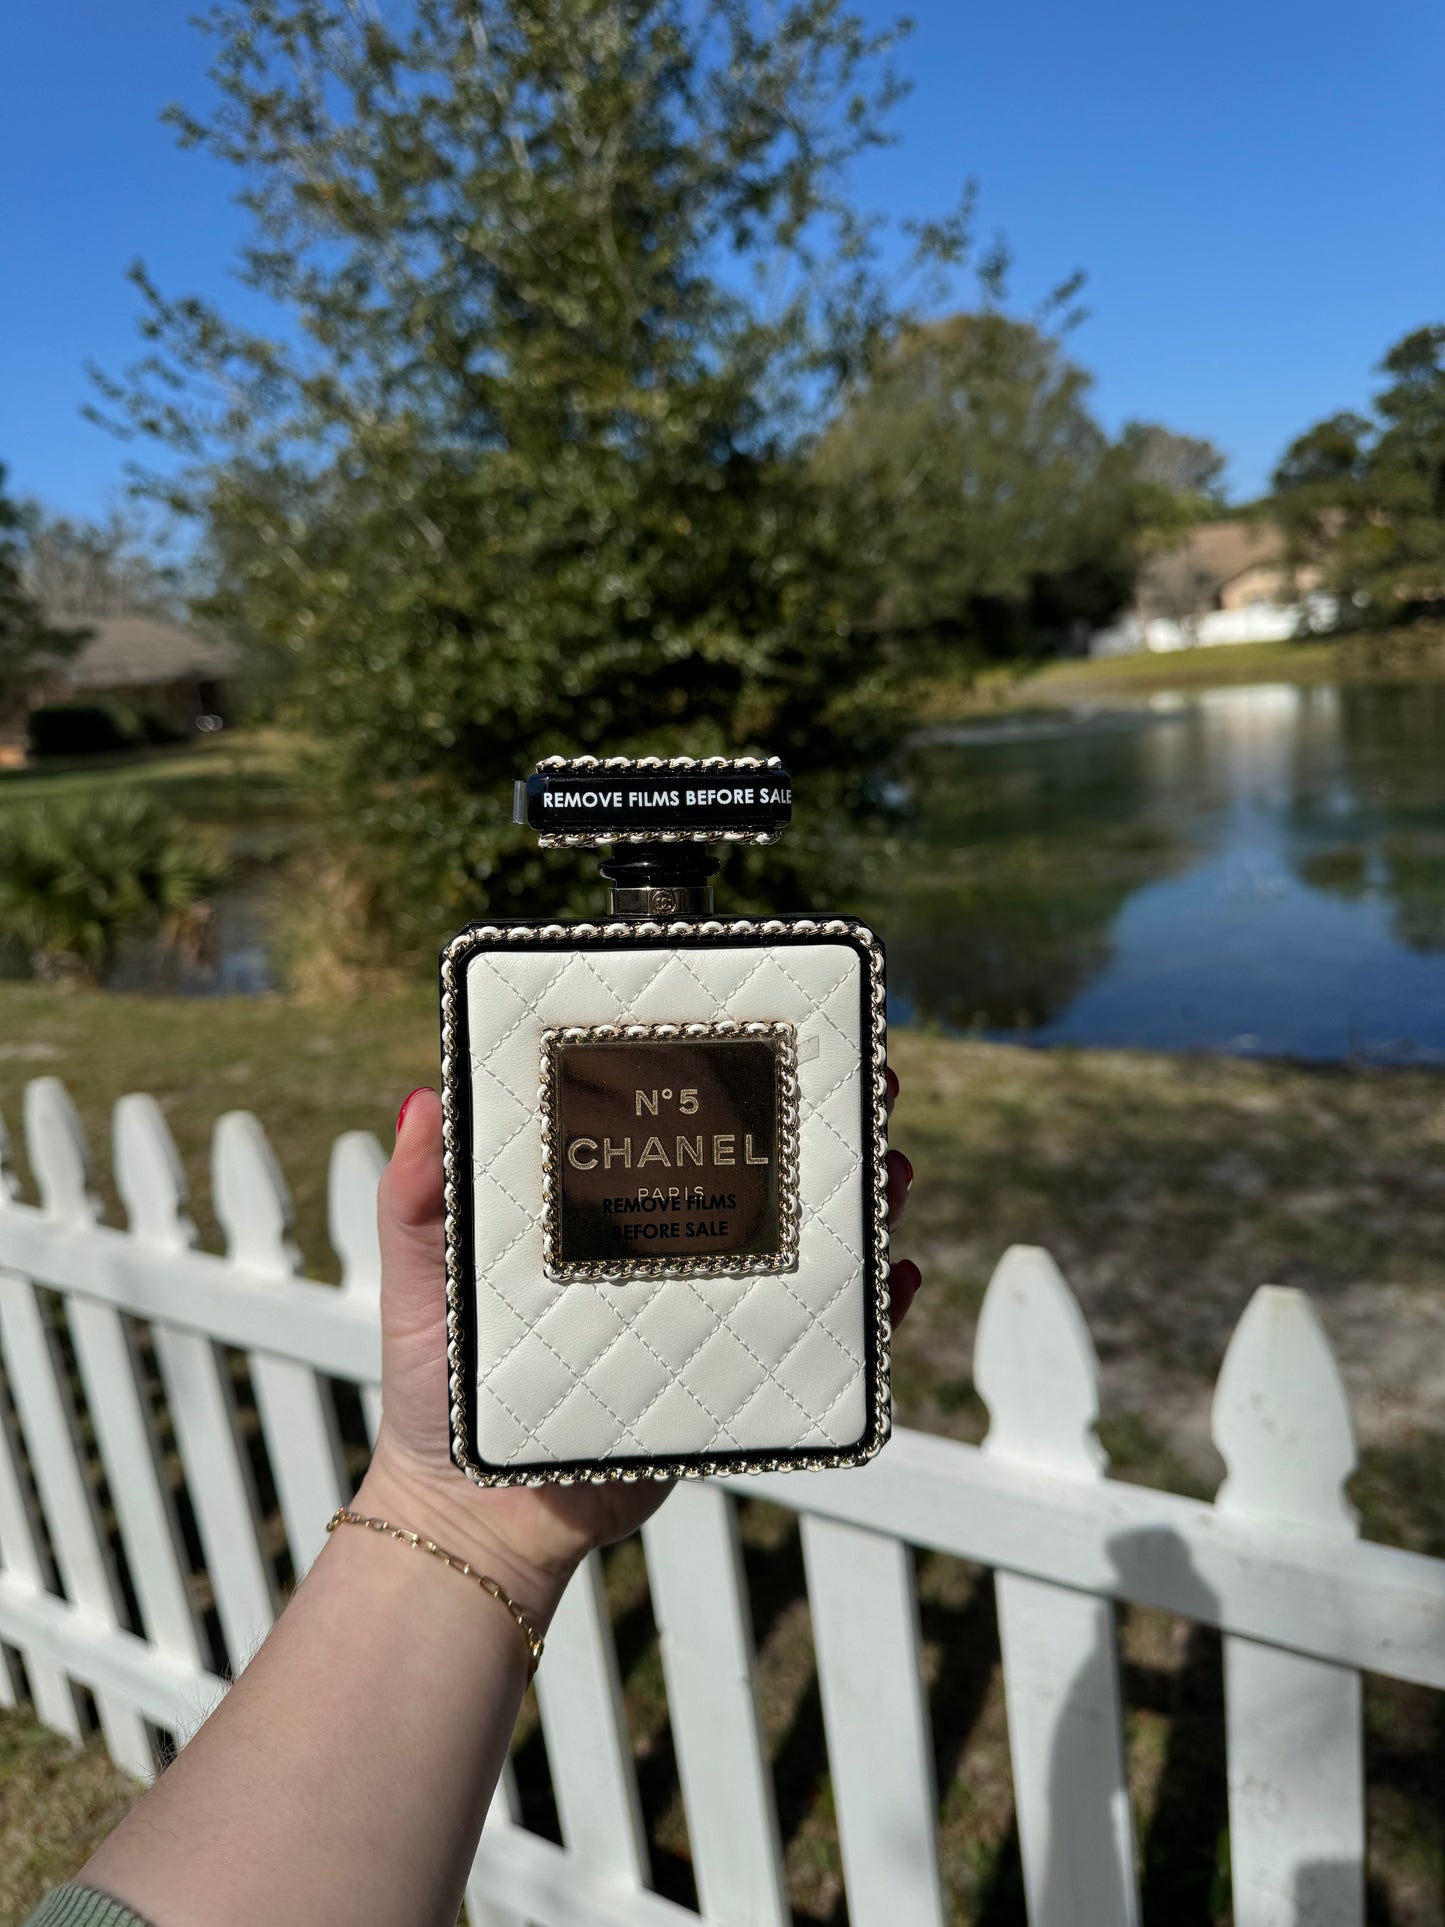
(152, 663)
(1244, 562)
(137, 666)
(1227, 581)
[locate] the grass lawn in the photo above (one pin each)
(214, 778)
(1167, 1188)
(1405, 654)
(238, 787)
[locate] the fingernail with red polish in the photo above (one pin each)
(908, 1275)
(906, 1165)
(401, 1114)
(891, 1077)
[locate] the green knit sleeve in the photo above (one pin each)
(72, 1906)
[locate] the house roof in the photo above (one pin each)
(1223, 550)
(128, 652)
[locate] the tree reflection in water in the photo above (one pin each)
(1165, 876)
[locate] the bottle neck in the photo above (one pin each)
(660, 879)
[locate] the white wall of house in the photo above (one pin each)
(1259, 622)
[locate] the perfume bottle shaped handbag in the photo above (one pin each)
(665, 1132)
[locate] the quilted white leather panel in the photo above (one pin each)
(661, 1366)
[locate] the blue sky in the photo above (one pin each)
(1255, 192)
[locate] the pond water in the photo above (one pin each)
(1257, 870)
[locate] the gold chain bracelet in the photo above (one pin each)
(344, 1516)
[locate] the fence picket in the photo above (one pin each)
(1035, 1369)
(357, 1161)
(1293, 1725)
(20, 1557)
(19, 1549)
(580, 1697)
(50, 1688)
(546, 1884)
(298, 1420)
(699, 1601)
(197, 1387)
(503, 1817)
(864, 1605)
(114, 1389)
(48, 1420)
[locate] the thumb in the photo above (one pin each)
(411, 1226)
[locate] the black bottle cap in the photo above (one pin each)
(590, 800)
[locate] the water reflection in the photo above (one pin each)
(1380, 835)
(1256, 869)
(230, 954)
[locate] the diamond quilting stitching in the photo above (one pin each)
(577, 1381)
(624, 1327)
(720, 1426)
(548, 988)
(818, 1325)
(723, 1322)
(735, 991)
(487, 1175)
(529, 1005)
(610, 990)
(490, 1391)
(767, 1370)
(679, 1376)
(822, 1008)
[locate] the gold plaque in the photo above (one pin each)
(670, 1149)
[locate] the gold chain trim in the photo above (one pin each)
(344, 1516)
(581, 840)
(494, 935)
(585, 765)
(784, 1038)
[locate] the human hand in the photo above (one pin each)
(528, 1538)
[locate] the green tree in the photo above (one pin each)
(1006, 517)
(1362, 498)
(33, 650)
(570, 284)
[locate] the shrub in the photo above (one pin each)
(99, 729)
(77, 878)
(77, 729)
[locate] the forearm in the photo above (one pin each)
(347, 1774)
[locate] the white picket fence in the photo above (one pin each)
(1275, 1562)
